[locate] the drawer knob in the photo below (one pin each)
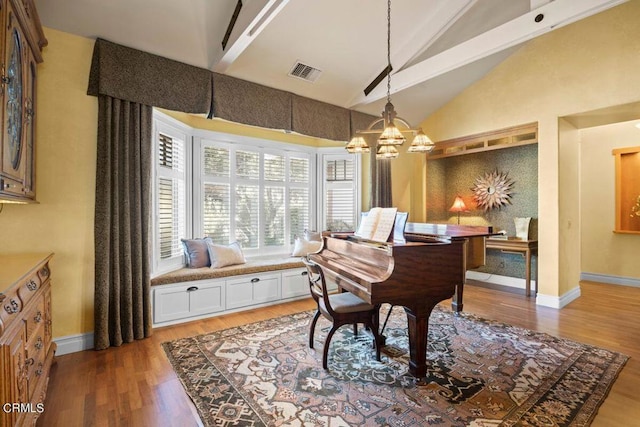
(255, 280)
(44, 271)
(304, 273)
(39, 344)
(38, 317)
(12, 307)
(39, 370)
(32, 285)
(192, 288)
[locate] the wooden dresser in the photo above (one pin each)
(26, 348)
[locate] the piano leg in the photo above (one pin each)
(456, 301)
(418, 322)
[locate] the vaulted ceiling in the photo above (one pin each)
(438, 47)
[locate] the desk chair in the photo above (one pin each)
(341, 309)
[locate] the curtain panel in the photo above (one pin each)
(122, 216)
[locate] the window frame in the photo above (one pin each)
(192, 137)
(337, 153)
(177, 130)
(236, 143)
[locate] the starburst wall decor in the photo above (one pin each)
(493, 190)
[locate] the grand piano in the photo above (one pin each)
(417, 272)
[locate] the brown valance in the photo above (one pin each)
(319, 119)
(250, 103)
(360, 121)
(133, 75)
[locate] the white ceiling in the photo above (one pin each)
(438, 47)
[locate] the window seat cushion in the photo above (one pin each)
(255, 265)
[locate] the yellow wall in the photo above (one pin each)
(224, 126)
(584, 66)
(65, 179)
(62, 222)
(604, 252)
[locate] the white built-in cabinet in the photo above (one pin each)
(182, 302)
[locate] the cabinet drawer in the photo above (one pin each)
(254, 289)
(295, 283)
(188, 300)
(29, 288)
(11, 187)
(35, 357)
(35, 318)
(10, 311)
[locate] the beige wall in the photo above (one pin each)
(602, 251)
(587, 65)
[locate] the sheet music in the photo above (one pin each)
(385, 225)
(369, 223)
(378, 224)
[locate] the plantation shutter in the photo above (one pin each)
(340, 195)
(299, 197)
(216, 210)
(171, 196)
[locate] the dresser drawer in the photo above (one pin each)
(29, 288)
(11, 309)
(34, 357)
(35, 318)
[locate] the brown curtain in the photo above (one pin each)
(380, 178)
(122, 215)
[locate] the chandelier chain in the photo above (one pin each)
(388, 50)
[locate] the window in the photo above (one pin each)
(169, 196)
(341, 198)
(259, 196)
(234, 188)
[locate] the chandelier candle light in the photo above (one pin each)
(390, 135)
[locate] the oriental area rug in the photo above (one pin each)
(481, 373)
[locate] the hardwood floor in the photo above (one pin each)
(134, 385)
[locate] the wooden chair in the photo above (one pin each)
(341, 309)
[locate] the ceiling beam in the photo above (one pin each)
(446, 13)
(555, 15)
(254, 16)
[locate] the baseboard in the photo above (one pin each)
(611, 280)
(514, 282)
(497, 279)
(558, 302)
(74, 343)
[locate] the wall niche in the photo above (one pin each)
(627, 190)
(451, 176)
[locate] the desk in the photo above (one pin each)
(526, 248)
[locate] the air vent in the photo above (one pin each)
(305, 72)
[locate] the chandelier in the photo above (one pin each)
(390, 135)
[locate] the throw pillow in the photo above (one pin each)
(303, 247)
(197, 252)
(312, 236)
(222, 255)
